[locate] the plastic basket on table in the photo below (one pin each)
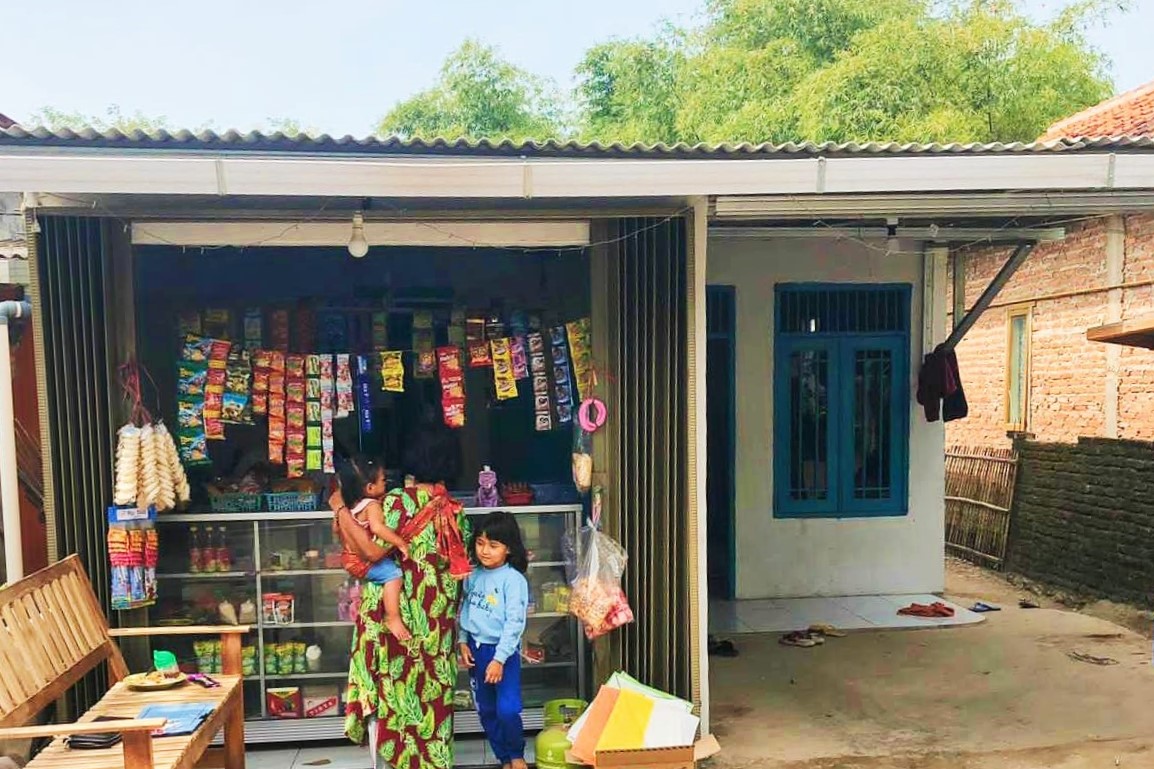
(291, 502)
(233, 502)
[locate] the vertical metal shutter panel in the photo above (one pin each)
(648, 453)
(72, 267)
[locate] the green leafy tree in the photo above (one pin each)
(628, 90)
(480, 96)
(848, 70)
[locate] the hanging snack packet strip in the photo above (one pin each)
(276, 407)
(191, 381)
(520, 354)
(562, 381)
(477, 347)
(581, 350)
(503, 377)
(236, 408)
(295, 415)
(424, 343)
(328, 388)
(214, 389)
(364, 394)
(345, 404)
(452, 386)
(313, 456)
(392, 372)
(261, 360)
(542, 409)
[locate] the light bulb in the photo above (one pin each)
(358, 246)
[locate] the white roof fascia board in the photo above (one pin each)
(538, 178)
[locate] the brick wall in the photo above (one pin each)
(1083, 518)
(1068, 382)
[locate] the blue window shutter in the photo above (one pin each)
(874, 456)
(861, 333)
(795, 468)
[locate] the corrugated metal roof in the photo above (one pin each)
(232, 141)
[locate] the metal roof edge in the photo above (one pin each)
(324, 144)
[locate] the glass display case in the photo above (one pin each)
(281, 574)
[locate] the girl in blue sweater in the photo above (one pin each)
(490, 625)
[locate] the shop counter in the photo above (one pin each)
(281, 574)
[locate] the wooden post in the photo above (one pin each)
(230, 655)
(137, 750)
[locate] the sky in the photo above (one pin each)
(336, 67)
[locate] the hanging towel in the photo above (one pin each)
(940, 387)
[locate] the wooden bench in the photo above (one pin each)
(53, 632)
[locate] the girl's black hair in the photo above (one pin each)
(354, 474)
(503, 527)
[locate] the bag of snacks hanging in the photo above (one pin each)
(133, 549)
(597, 598)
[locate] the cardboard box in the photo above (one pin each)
(656, 758)
(321, 707)
(284, 702)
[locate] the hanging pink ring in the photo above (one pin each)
(590, 423)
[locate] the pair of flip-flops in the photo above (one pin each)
(815, 635)
(935, 610)
(981, 607)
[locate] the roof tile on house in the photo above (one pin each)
(1127, 114)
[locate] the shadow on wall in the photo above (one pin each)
(1082, 517)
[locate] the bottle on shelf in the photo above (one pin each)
(223, 551)
(195, 561)
(209, 562)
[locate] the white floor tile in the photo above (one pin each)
(334, 757)
(845, 612)
(277, 758)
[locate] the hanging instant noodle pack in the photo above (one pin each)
(133, 549)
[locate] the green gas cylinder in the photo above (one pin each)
(553, 741)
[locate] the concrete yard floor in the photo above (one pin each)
(1001, 694)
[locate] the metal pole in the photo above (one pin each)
(986, 299)
(9, 479)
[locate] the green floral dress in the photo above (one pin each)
(408, 686)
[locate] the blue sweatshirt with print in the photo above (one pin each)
(494, 609)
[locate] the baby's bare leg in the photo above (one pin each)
(393, 611)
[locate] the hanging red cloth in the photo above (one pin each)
(940, 387)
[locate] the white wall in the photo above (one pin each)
(813, 557)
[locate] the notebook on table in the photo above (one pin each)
(183, 718)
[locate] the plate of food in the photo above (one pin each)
(154, 681)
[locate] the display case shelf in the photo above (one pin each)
(261, 536)
(207, 575)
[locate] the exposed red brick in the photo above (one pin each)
(1068, 374)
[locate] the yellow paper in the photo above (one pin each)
(628, 723)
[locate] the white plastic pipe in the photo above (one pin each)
(9, 480)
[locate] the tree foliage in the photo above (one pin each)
(848, 70)
(478, 95)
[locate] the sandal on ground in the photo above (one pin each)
(829, 631)
(982, 607)
(797, 638)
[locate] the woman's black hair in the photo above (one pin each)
(503, 527)
(354, 474)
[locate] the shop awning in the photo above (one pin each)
(1138, 332)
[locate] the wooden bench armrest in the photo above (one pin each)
(87, 727)
(145, 632)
